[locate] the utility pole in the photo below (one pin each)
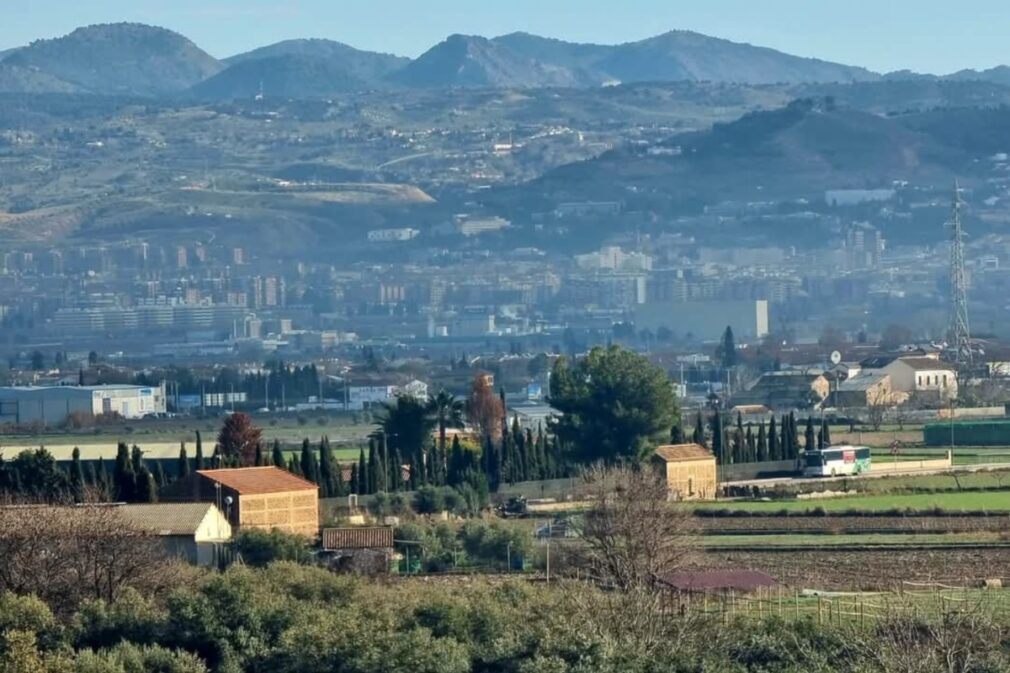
(959, 333)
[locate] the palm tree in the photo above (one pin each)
(404, 426)
(447, 412)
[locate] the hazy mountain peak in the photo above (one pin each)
(120, 58)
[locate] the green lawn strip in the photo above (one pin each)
(828, 540)
(995, 501)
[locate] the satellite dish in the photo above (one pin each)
(836, 357)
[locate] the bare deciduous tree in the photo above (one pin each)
(632, 537)
(66, 554)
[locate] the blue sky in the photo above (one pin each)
(924, 35)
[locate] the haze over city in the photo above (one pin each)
(495, 337)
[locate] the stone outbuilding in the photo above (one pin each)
(262, 497)
(689, 469)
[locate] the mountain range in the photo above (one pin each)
(146, 61)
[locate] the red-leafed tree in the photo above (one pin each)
(484, 408)
(238, 439)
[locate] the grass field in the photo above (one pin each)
(997, 501)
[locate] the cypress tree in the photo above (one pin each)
(362, 473)
(543, 463)
(159, 475)
(294, 467)
(216, 461)
(677, 433)
(751, 445)
(354, 487)
(699, 431)
(308, 463)
(773, 441)
(558, 458)
(826, 432)
(455, 471)
(147, 488)
(762, 443)
(258, 459)
(200, 463)
(102, 478)
(532, 464)
(737, 450)
(278, 455)
(123, 477)
(182, 471)
(810, 439)
(77, 485)
(376, 481)
(327, 470)
(396, 472)
(717, 439)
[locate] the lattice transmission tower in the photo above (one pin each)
(959, 332)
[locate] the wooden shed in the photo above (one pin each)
(690, 471)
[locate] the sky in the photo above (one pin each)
(922, 35)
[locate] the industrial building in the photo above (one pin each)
(52, 405)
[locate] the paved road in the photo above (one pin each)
(982, 467)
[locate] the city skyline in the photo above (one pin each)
(227, 27)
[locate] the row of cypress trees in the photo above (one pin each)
(779, 440)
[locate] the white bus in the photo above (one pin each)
(836, 461)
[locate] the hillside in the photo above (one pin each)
(17, 79)
(366, 65)
(284, 76)
(680, 55)
(472, 61)
(120, 59)
(803, 148)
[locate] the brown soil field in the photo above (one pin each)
(854, 524)
(871, 570)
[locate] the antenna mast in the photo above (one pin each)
(959, 333)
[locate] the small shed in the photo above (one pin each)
(261, 497)
(359, 549)
(720, 581)
(689, 469)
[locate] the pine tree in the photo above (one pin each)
(277, 457)
(200, 463)
(773, 441)
(810, 443)
(77, 485)
(699, 431)
(182, 471)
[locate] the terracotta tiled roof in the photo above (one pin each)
(358, 538)
(257, 480)
(676, 453)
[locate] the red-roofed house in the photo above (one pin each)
(262, 497)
